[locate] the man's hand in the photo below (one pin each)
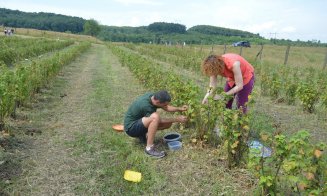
(181, 119)
(183, 108)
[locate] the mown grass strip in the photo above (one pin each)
(113, 152)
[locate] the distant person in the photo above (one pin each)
(239, 74)
(143, 121)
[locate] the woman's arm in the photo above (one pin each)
(212, 87)
(238, 79)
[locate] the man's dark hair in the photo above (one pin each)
(163, 96)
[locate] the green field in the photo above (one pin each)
(60, 140)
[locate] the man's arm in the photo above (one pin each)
(180, 119)
(170, 108)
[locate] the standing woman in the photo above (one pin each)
(239, 74)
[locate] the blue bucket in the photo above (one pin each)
(170, 137)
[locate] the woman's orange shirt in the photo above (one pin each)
(246, 68)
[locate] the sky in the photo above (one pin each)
(282, 19)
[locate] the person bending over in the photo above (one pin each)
(143, 121)
(239, 74)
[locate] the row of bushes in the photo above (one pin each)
(295, 166)
(14, 49)
(19, 84)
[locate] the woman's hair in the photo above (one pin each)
(213, 65)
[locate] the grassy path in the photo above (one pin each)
(77, 152)
(61, 114)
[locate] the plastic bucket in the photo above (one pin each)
(170, 137)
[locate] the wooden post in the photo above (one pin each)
(286, 54)
(325, 63)
(225, 48)
(259, 53)
(241, 50)
(212, 48)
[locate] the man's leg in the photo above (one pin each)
(152, 123)
(138, 131)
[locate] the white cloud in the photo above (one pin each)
(141, 2)
(265, 26)
(289, 29)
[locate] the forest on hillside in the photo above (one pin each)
(41, 21)
(157, 32)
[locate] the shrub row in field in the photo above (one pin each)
(14, 49)
(306, 85)
(19, 84)
(296, 166)
(285, 83)
(185, 92)
(186, 57)
(149, 73)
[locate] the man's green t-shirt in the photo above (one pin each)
(140, 108)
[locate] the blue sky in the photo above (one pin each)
(288, 19)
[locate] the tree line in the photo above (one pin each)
(157, 32)
(41, 21)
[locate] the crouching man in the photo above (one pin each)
(142, 119)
